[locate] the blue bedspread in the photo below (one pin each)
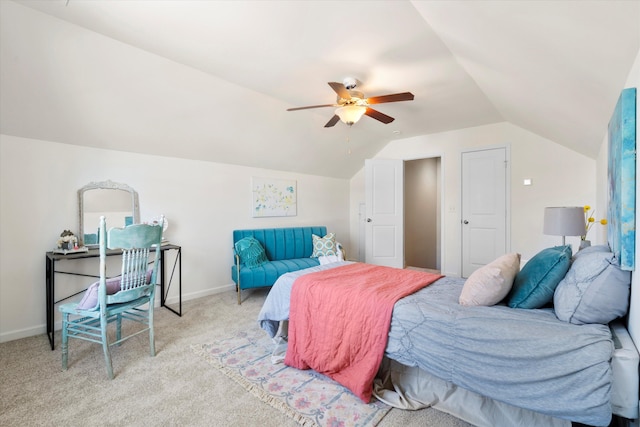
(526, 358)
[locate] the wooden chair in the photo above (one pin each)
(114, 303)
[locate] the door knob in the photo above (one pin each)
(465, 222)
(368, 219)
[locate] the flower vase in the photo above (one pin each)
(584, 244)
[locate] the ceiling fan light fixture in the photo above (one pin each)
(350, 114)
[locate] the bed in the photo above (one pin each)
(489, 365)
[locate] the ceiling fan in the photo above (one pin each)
(352, 104)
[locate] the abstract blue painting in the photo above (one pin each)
(621, 228)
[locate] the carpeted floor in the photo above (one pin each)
(175, 388)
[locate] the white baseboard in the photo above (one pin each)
(193, 295)
(42, 329)
(23, 333)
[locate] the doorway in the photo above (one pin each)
(485, 188)
(422, 207)
(386, 189)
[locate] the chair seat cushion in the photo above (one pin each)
(267, 273)
(90, 299)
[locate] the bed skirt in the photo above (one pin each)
(412, 388)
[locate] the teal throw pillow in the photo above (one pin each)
(536, 283)
(324, 246)
(251, 252)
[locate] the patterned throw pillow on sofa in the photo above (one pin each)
(324, 246)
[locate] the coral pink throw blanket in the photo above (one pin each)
(339, 320)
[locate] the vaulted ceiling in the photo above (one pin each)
(211, 80)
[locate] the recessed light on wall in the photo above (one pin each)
(527, 181)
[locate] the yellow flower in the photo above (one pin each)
(590, 220)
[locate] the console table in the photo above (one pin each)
(52, 257)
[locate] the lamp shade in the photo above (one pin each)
(564, 221)
(350, 114)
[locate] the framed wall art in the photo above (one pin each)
(273, 197)
(621, 228)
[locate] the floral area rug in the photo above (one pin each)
(311, 399)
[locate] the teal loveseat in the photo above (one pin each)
(287, 249)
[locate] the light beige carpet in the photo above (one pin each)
(175, 388)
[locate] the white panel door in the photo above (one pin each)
(384, 188)
(484, 215)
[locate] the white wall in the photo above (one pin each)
(203, 202)
(561, 177)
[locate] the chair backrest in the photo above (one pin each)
(137, 242)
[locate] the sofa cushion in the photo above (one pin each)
(267, 273)
(251, 252)
(287, 249)
(595, 290)
(535, 284)
(324, 246)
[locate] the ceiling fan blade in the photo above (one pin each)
(375, 114)
(340, 90)
(404, 96)
(335, 119)
(310, 106)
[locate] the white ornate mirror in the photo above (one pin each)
(117, 202)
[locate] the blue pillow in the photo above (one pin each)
(595, 290)
(536, 283)
(251, 252)
(589, 250)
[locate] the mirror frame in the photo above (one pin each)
(105, 185)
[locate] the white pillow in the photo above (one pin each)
(489, 284)
(328, 259)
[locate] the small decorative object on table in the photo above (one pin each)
(165, 224)
(68, 243)
(589, 220)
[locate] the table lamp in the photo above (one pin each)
(564, 221)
